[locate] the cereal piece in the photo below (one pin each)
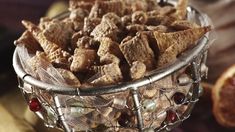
(84, 4)
(159, 28)
(156, 16)
(53, 51)
(59, 57)
(58, 32)
(183, 25)
(172, 44)
(90, 24)
(126, 20)
(126, 39)
(182, 38)
(29, 42)
(139, 5)
(181, 9)
(168, 56)
(109, 46)
(110, 74)
(77, 16)
(166, 20)
(139, 17)
(44, 22)
(160, 20)
(163, 41)
(109, 58)
(153, 13)
(137, 70)
(102, 7)
(137, 49)
(134, 28)
(152, 5)
(82, 59)
(69, 77)
(105, 29)
(75, 38)
(152, 42)
(85, 43)
(104, 80)
(113, 17)
(166, 10)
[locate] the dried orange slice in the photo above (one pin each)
(223, 95)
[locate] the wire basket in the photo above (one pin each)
(158, 102)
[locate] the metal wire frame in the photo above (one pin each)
(183, 60)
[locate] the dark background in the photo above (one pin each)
(11, 14)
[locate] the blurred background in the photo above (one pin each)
(15, 116)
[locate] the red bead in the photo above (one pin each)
(34, 105)
(124, 120)
(171, 116)
(178, 98)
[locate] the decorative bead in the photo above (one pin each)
(51, 118)
(119, 103)
(150, 129)
(34, 105)
(178, 97)
(149, 105)
(204, 70)
(200, 92)
(171, 116)
(184, 80)
(27, 88)
(124, 120)
(76, 111)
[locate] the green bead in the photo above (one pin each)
(149, 105)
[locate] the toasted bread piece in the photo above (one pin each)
(109, 58)
(223, 98)
(84, 4)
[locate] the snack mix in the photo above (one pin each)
(109, 42)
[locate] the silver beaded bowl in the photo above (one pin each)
(159, 101)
